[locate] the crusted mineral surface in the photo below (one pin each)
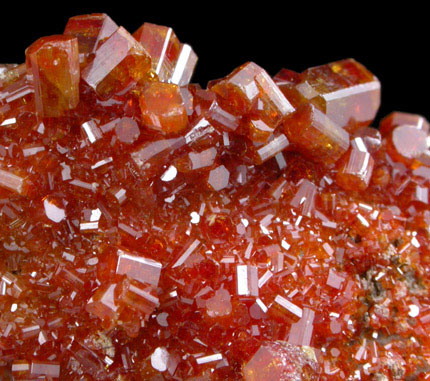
(259, 229)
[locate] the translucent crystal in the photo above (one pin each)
(315, 135)
(54, 64)
(142, 269)
(202, 159)
(409, 144)
(344, 90)
(172, 61)
(127, 130)
(218, 178)
(247, 280)
(280, 361)
(12, 182)
(45, 368)
(221, 118)
(90, 30)
(366, 139)
(219, 304)
(92, 131)
(304, 198)
(159, 359)
(163, 108)
(301, 331)
(395, 119)
(356, 170)
(274, 146)
(52, 211)
(250, 90)
(157, 231)
(118, 62)
(138, 296)
(103, 304)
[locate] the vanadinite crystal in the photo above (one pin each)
(255, 230)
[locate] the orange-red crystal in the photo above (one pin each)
(255, 230)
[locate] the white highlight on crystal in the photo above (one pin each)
(184, 66)
(95, 215)
(296, 310)
(92, 131)
(186, 254)
(210, 358)
(195, 218)
(101, 163)
(170, 174)
(8, 122)
(159, 359)
(414, 310)
(242, 280)
(53, 212)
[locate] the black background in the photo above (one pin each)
(392, 41)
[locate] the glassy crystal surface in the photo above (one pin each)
(172, 61)
(281, 361)
(356, 170)
(257, 229)
(396, 119)
(249, 90)
(91, 31)
(409, 145)
(118, 62)
(163, 108)
(315, 135)
(53, 63)
(344, 90)
(366, 139)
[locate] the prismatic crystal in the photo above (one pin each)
(257, 229)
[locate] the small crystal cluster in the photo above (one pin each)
(258, 229)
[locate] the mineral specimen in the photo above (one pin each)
(258, 229)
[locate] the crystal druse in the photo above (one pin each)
(257, 229)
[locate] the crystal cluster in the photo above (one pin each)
(258, 229)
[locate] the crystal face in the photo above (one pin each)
(118, 62)
(344, 90)
(53, 63)
(172, 61)
(249, 91)
(91, 31)
(163, 108)
(257, 229)
(315, 135)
